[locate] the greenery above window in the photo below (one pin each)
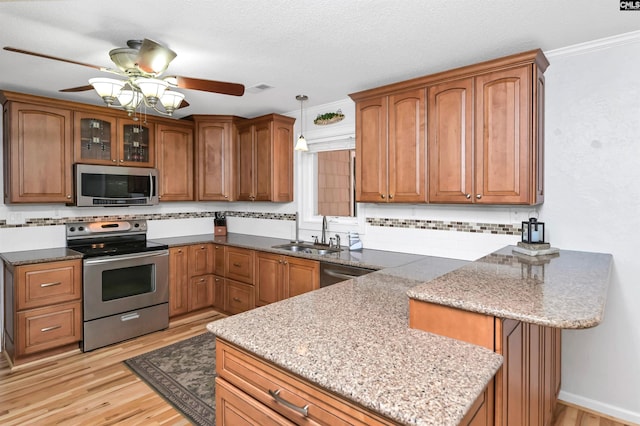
(328, 118)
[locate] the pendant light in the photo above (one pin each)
(301, 144)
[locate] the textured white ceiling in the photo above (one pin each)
(325, 49)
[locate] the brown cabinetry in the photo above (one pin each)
(239, 280)
(485, 133)
(485, 143)
(390, 155)
(191, 279)
(37, 152)
(526, 386)
(43, 309)
(216, 157)
(269, 393)
(279, 277)
(265, 159)
(111, 140)
(174, 160)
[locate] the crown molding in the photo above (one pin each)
(599, 44)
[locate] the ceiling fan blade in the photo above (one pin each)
(77, 89)
(55, 58)
(154, 58)
(225, 88)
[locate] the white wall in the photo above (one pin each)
(592, 203)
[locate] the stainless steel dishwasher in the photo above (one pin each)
(331, 273)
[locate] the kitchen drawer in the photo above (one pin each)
(260, 380)
(47, 328)
(238, 297)
(239, 264)
(235, 408)
(44, 284)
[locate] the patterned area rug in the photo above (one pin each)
(183, 373)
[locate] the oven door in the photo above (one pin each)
(117, 284)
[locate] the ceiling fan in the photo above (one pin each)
(140, 66)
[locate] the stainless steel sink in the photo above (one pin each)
(307, 248)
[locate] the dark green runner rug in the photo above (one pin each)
(183, 373)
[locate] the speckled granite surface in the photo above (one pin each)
(353, 338)
(567, 290)
(16, 258)
(367, 258)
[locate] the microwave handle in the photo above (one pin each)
(151, 184)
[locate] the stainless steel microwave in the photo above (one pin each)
(113, 186)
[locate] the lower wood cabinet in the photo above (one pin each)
(526, 386)
(279, 277)
(191, 279)
(238, 297)
(251, 390)
(43, 309)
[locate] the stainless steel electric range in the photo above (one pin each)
(125, 281)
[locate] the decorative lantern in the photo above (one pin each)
(533, 231)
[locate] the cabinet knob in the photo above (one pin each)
(114, 160)
(68, 196)
(467, 196)
(478, 196)
(226, 196)
(382, 196)
(390, 196)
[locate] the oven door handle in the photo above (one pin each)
(108, 259)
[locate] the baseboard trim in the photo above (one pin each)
(600, 407)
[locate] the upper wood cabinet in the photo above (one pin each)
(485, 142)
(174, 159)
(105, 139)
(485, 135)
(265, 159)
(37, 152)
(215, 153)
(390, 157)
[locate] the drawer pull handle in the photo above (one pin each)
(237, 265)
(302, 410)
(129, 317)
(50, 284)
(55, 327)
(235, 299)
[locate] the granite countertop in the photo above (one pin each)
(365, 258)
(26, 257)
(353, 339)
(565, 290)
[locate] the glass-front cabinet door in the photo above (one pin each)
(101, 139)
(95, 138)
(137, 143)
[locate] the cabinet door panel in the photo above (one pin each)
(201, 292)
(38, 154)
(371, 150)
(269, 284)
(503, 136)
(201, 259)
(245, 186)
(215, 157)
(301, 276)
(263, 161)
(175, 163)
(178, 281)
(406, 154)
(282, 162)
(450, 128)
(95, 138)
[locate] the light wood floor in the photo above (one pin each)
(96, 388)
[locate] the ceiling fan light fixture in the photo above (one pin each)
(152, 89)
(107, 88)
(129, 100)
(171, 100)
